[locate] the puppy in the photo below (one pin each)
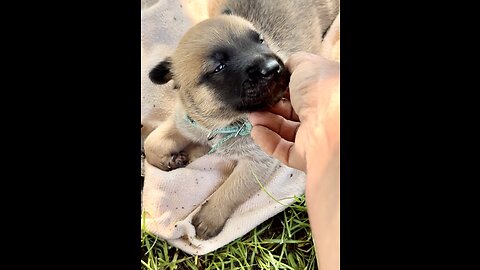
(223, 68)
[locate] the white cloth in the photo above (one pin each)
(170, 199)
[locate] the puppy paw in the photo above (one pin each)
(177, 160)
(168, 162)
(208, 222)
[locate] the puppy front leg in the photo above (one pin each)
(164, 145)
(237, 188)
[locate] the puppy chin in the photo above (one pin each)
(264, 95)
(262, 102)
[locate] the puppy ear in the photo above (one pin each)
(161, 73)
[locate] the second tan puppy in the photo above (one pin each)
(223, 68)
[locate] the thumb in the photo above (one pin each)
(277, 147)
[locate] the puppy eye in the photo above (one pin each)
(220, 67)
(260, 38)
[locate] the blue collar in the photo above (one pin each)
(239, 128)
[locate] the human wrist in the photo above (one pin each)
(323, 126)
(323, 141)
(317, 154)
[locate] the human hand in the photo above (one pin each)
(295, 129)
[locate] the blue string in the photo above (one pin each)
(232, 131)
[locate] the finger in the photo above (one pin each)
(272, 144)
(296, 59)
(285, 128)
(285, 109)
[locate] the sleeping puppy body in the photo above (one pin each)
(223, 68)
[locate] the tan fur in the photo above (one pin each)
(302, 33)
(190, 60)
(187, 57)
(170, 138)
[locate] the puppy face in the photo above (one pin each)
(223, 68)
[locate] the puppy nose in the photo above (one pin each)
(269, 67)
(264, 68)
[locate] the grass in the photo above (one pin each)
(281, 242)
